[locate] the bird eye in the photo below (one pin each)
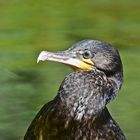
(87, 54)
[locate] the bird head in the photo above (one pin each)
(87, 55)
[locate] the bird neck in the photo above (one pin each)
(85, 93)
(116, 79)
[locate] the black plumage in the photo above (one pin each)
(78, 112)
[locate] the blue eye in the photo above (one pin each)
(87, 54)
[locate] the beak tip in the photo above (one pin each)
(38, 60)
(41, 56)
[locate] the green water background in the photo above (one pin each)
(29, 26)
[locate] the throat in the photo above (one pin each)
(82, 94)
(83, 107)
(82, 111)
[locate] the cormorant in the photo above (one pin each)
(78, 112)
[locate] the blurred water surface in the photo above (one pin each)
(27, 27)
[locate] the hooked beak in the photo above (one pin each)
(71, 59)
